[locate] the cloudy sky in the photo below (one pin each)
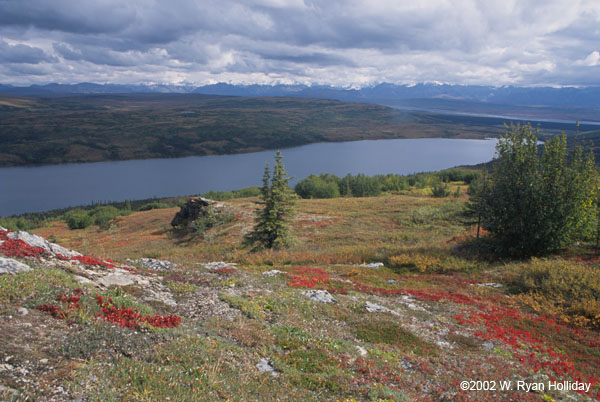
(333, 42)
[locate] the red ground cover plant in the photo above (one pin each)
(129, 318)
(124, 317)
(69, 304)
(18, 248)
(532, 339)
(308, 277)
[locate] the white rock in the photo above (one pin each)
(321, 296)
(273, 272)
(22, 311)
(154, 264)
(341, 280)
(120, 277)
(38, 241)
(488, 345)
(376, 308)
(213, 266)
(490, 285)
(362, 351)
(265, 366)
(372, 265)
(83, 280)
(10, 266)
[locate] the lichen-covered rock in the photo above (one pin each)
(213, 266)
(372, 265)
(376, 308)
(265, 366)
(273, 272)
(321, 296)
(10, 266)
(154, 264)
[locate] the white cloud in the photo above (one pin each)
(592, 60)
(340, 42)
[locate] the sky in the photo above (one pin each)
(352, 43)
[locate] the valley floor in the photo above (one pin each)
(317, 321)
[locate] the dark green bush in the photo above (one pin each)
(536, 202)
(103, 215)
(323, 186)
(78, 219)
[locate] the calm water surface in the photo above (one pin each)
(32, 189)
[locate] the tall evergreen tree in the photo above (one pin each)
(271, 229)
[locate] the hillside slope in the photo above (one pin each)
(142, 126)
(312, 322)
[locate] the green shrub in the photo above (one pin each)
(228, 195)
(78, 219)
(103, 215)
(214, 217)
(440, 190)
(21, 223)
(564, 288)
(534, 203)
(323, 186)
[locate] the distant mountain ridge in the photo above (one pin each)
(385, 93)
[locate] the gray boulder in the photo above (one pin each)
(10, 266)
(320, 296)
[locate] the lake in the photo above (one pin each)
(34, 189)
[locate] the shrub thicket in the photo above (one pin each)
(566, 289)
(330, 186)
(228, 195)
(536, 202)
(440, 190)
(322, 186)
(78, 219)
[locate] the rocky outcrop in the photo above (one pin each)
(320, 296)
(10, 266)
(217, 265)
(154, 264)
(192, 210)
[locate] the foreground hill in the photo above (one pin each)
(312, 322)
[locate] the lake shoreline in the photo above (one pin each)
(66, 185)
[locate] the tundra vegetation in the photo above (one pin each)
(444, 307)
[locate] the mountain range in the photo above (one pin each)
(385, 92)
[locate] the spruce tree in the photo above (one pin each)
(271, 229)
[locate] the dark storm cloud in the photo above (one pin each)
(350, 42)
(19, 53)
